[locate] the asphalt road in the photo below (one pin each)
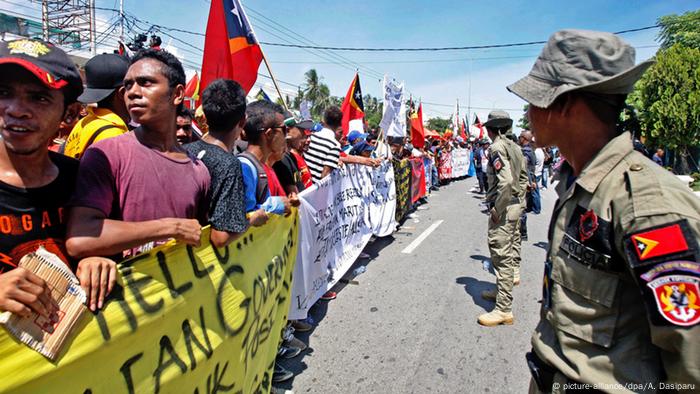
(408, 325)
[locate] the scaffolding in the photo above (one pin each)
(69, 22)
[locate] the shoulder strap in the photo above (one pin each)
(62, 147)
(97, 134)
(262, 189)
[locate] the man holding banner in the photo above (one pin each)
(266, 133)
(114, 210)
(36, 184)
(224, 106)
(324, 150)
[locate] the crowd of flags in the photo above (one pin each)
(232, 51)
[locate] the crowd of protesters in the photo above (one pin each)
(87, 171)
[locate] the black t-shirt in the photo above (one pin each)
(227, 208)
(35, 217)
(288, 172)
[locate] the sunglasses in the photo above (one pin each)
(283, 127)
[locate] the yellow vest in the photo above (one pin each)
(83, 132)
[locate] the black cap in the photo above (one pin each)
(104, 74)
(47, 62)
(306, 124)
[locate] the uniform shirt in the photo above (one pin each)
(507, 175)
(35, 217)
(620, 298)
(82, 132)
(324, 150)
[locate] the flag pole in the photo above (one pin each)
(267, 65)
(274, 80)
(382, 133)
(469, 102)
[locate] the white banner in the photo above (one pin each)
(460, 162)
(305, 109)
(394, 115)
(337, 218)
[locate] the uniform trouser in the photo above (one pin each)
(504, 245)
(517, 243)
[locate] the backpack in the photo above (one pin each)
(262, 189)
(62, 147)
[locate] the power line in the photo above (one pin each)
(466, 59)
(337, 48)
(275, 24)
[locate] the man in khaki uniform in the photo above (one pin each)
(621, 294)
(505, 198)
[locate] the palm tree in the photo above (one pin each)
(316, 91)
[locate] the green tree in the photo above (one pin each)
(524, 123)
(296, 103)
(668, 101)
(317, 92)
(439, 124)
(373, 110)
(680, 29)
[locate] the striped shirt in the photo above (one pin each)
(324, 150)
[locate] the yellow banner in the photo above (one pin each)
(183, 320)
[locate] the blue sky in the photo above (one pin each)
(439, 78)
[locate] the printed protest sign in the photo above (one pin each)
(338, 217)
(460, 162)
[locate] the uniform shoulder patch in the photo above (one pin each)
(664, 261)
(496, 161)
(658, 242)
(677, 298)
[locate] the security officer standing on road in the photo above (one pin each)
(506, 199)
(621, 293)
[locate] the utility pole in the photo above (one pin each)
(69, 22)
(44, 19)
(469, 100)
(93, 29)
(121, 20)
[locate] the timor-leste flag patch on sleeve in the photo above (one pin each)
(664, 260)
(659, 242)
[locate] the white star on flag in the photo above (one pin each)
(234, 11)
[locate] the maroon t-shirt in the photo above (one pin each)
(129, 181)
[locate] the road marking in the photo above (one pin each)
(416, 242)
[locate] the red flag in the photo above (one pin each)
(192, 91)
(417, 130)
(478, 124)
(463, 131)
(230, 47)
(352, 105)
(192, 87)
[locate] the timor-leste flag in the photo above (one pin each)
(480, 126)
(230, 48)
(352, 107)
(417, 130)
